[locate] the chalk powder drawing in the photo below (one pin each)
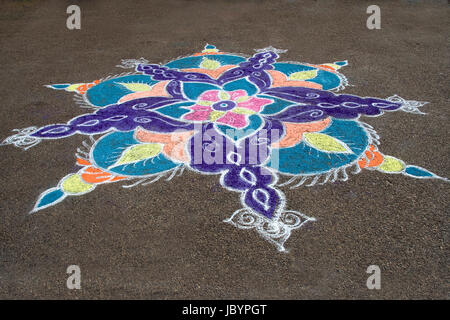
(248, 119)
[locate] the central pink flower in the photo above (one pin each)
(226, 107)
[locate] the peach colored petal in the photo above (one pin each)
(175, 149)
(294, 132)
(280, 80)
(157, 90)
(143, 135)
(173, 142)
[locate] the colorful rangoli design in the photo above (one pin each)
(249, 120)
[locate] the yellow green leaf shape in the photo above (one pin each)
(326, 143)
(139, 152)
(392, 165)
(214, 115)
(73, 184)
(303, 75)
(135, 86)
(209, 64)
(73, 87)
(243, 111)
(223, 95)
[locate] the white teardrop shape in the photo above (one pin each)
(244, 173)
(257, 193)
(89, 123)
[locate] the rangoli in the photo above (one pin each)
(248, 120)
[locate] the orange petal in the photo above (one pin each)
(375, 158)
(83, 162)
(116, 178)
(93, 170)
(95, 177)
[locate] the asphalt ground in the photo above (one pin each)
(167, 240)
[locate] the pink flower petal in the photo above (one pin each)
(233, 120)
(254, 104)
(236, 94)
(198, 115)
(210, 95)
(197, 107)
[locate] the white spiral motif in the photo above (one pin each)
(292, 219)
(312, 95)
(276, 230)
(142, 119)
(245, 219)
(410, 106)
(22, 138)
(139, 106)
(238, 72)
(316, 113)
(191, 77)
(169, 75)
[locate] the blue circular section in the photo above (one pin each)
(327, 79)
(110, 91)
(110, 148)
(304, 159)
(224, 105)
(195, 61)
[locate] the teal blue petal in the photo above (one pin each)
(255, 122)
(110, 147)
(328, 80)
(110, 91)
(175, 110)
(58, 86)
(341, 63)
(241, 84)
(194, 62)
(192, 90)
(48, 198)
(150, 166)
(306, 160)
(418, 172)
(278, 105)
(288, 68)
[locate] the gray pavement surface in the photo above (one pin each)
(167, 240)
